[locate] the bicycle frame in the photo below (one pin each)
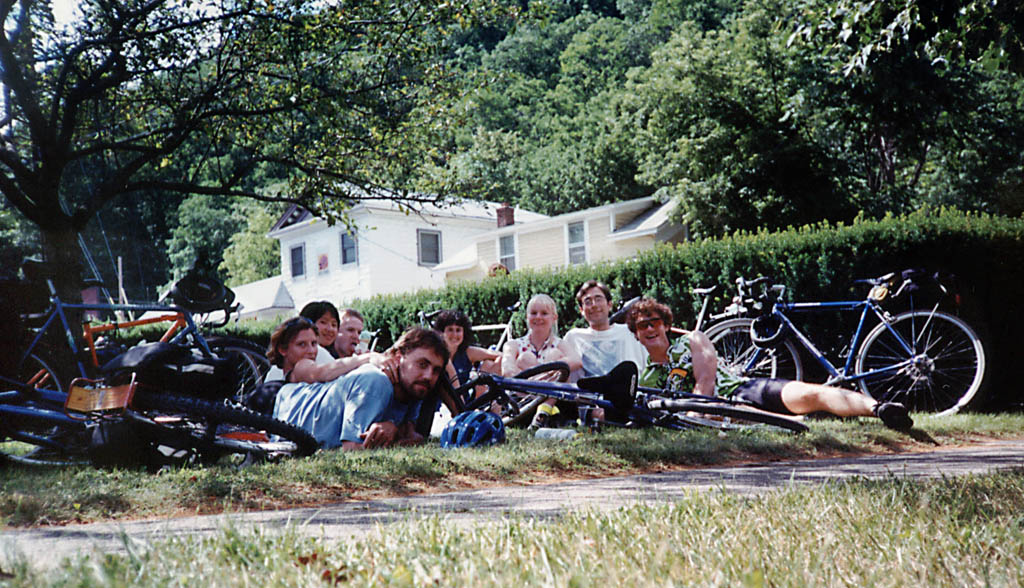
(618, 394)
(866, 308)
(505, 328)
(184, 326)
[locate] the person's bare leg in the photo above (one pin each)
(705, 363)
(804, 398)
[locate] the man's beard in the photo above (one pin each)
(407, 391)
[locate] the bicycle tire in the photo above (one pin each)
(248, 360)
(526, 404)
(945, 372)
(188, 423)
(741, 413)
(731, 339)
(41, 442)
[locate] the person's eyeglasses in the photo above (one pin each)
(653, 322)
(592, 300)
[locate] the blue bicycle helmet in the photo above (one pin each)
(473, 429)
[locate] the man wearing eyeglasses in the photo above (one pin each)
(691, 365)
(602, 345)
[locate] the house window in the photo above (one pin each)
(349, 253)
(577, 243)
(298, 261)
(429, 246)
(507, 252)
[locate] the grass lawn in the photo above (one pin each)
(34, 496)
(965, 531)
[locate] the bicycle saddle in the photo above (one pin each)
(201, 294)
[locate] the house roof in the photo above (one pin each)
(482, 210)
(263, 294)
(647, 223)
(464, 259)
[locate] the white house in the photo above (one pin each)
(393, 250)
(609, 232)
(389, 249)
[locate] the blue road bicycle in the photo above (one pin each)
(927, 359)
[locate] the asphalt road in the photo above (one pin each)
(46, 547)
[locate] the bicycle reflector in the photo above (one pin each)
(473, 429)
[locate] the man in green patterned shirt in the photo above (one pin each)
(691, 365)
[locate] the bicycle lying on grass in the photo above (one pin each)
(128, 424)
(176, 396)
(55, 347)
(625, 403)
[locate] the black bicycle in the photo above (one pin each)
(625, 404)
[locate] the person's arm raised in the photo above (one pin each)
(309, 371)
(478, 354)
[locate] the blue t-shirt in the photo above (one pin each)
(344, 408)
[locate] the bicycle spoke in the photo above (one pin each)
(944, 373)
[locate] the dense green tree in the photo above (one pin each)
(958, 32)
(338, 94)
(746, 129)
(251, 254)
(710, 122)
(18, 239)
(205, 226)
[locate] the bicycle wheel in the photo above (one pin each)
(939, 369)
(35, 439)
(738, 353)
(526, 404)
(214, 430)
(248, 360)
(739, 417)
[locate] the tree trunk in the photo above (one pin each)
(64, 263)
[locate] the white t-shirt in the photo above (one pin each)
(603, 350)
(322, 356)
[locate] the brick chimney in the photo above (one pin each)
(506, 215)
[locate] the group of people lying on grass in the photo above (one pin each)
(364, 400)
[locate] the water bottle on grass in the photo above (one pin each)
(558, 434)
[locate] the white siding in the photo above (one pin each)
(387, 255)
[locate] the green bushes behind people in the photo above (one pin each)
(817, 262)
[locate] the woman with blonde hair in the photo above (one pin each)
(541, 344)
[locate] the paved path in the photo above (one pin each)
(47, 546)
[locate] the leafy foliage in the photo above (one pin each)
(251, 255)
(140, 99)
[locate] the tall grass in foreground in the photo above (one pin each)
(958, 532)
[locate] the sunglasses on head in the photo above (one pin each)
(647, 323)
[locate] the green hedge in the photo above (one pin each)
(818, 262)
